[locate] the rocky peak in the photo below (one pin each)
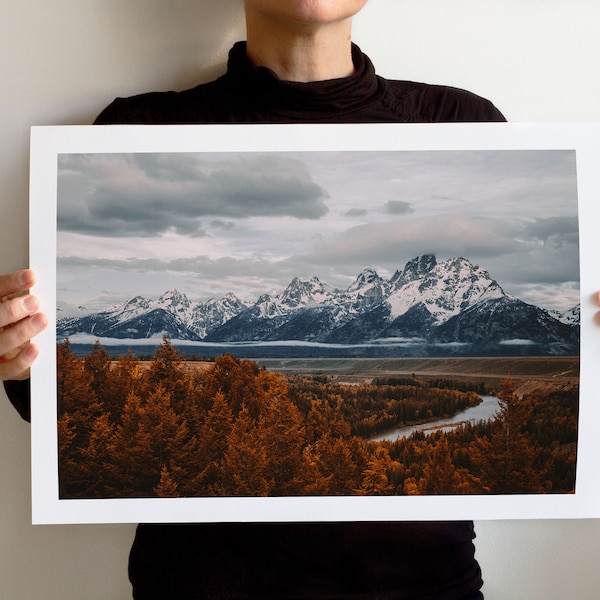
(173, 297)
(414, 269)
(137, 302)
(367, 278)
(174, 301)
(302, 293)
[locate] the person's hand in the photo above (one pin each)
(19, 322)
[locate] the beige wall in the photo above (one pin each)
(62, 61)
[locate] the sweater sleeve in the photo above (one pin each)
(19, 394)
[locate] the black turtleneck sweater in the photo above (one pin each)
(374, 561)
(246, 94)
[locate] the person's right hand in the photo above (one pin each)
(19, 322)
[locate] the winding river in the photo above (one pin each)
(482, 412)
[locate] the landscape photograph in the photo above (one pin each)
(317, 323)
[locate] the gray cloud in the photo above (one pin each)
(398, 207)
(390, 242)
(513, 213)
(224, 225)
(356, 212)
(543, 250)
(148, 195)
(553, 229)
(537, 251)
(202, 267)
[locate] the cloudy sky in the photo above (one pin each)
(247, 223)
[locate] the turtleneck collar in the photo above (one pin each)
(262, 88)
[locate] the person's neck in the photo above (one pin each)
(301, 53)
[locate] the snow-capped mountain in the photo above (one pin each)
(450, 304)
(207, 317)
(300, 294)
(572, 316)
(445, 289)
(173, 315)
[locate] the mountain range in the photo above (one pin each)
(452, 306)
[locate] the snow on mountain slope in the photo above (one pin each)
(448, 302)
(445, 290)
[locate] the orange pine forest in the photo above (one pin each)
(160, 428)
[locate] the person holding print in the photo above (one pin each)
(299, 65)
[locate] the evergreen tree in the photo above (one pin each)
(166, 487)
(338, 467)
(74, 391)
(238, 380)
(95, 460)
(167, 369)
(242, 468)
(325, 420)
(78, 409)
(97, 366)
(206, 449)
(68, 463)
(439, 474)
(281, 434)
(134, 471)
(505, 462)
(375, 480)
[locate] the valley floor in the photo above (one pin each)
(540, 372)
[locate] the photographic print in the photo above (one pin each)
(309, 325)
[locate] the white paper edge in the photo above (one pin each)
(48, 142)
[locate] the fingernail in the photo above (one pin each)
(26, 278)
(39, 321)
(31, 303)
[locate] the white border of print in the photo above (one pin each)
(48, 142)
